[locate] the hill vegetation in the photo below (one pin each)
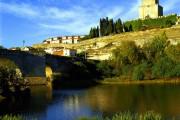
(153, 60)
(108, 26)
(100, 48)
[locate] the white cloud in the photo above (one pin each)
(19, 9)
(74, 20)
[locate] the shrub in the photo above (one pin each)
(136, 25)
(105, 69)
(126, 53)
(176, 71)
(155, 48)
(10, 77)
(163, 67)
(173, 52)
(139, 71)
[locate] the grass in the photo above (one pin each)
(150, 115)
(129, 116)
(139, 37)
(11, 117)
(14, 117)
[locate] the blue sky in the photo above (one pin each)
(36, 20)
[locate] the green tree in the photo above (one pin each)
(125, 57)
(173, 52)
(110, 28)
(176, 71)
(106, 26)
(94, 32)
(118, 26)
(1, 47)
(163, 67)
(97, 31)
(130, 51)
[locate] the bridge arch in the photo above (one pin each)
(49, 73)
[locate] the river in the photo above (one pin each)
(101, 100)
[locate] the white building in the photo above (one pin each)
(49, 50)
(64, 40)
(69, 52)
(26, 48)
(61, 52)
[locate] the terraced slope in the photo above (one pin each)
(100, 48)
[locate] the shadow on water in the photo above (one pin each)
(83, 74)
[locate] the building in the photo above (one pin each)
(64, 40)
(61, 52)
(150, 9)
(69, 52)
(49, 50)
(70, 39)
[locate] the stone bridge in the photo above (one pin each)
(38, 66)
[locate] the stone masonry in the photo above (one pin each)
(150, 9)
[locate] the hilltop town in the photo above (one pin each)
(98, 45)
(118, 71)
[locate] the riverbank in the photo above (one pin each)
(155, 81)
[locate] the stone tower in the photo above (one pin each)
(150, 9)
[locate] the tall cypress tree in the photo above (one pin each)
(118, 26)
(97, 31)
(110, 27)
(91, 33)
(106, 27)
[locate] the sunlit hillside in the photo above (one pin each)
(100, 48)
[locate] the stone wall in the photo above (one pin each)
(29, 64)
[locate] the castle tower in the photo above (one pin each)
(150, 9)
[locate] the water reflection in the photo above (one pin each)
(45, 104)
(162, 99)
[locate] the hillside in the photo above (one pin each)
(100, 48)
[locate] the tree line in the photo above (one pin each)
(109, 26)
(106, 27)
